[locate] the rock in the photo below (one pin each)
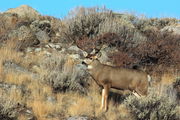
(43, 25)
(25, 36)
(6, 86)
(24, 32)
(24, 11)
(51, 99)
(27, 113)
(75, 50)
(58, 47)
(81, 67)
(42, 30)
(9, 20)
(105, 51)
(29, 49)
(174, 29)
(54, 46)
(38, 49)
(79, 118)
(42, 37)
(75, 56)
(48, 54)
(9, 66)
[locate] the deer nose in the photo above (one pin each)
(84, 63)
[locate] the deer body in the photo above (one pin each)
(118, 78)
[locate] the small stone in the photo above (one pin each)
(38, 49)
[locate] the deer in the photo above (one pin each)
(106, 76)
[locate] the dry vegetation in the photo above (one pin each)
(54, 87)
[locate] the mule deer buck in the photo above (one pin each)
(119, 78)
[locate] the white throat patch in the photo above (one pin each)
(90, 67)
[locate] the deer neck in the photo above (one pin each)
(94, 69)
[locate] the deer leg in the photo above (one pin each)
(106, 94)
(136, 94)
(102, 102)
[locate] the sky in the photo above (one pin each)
(60, 8)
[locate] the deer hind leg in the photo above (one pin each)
(136, 94)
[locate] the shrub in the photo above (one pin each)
(64, 75)
(8, 108)
(176, 85)
(121, 59)
(94, 22)
(84, 23)
(161, 49)
(7, 22)
(152, 107)
(142, 23)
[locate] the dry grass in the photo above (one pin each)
(165, 84)
(42, 108)
(90, 106)
(167, 79)
(22, 117)
(82, 106)
(39, 90)
(118, 112)
(18, 79)
(8, 52)
(16, 95)
(1, 72)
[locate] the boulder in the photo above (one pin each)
(174, 29)
(24, 11)
(75, 50)
(43, 37)
(41, 25)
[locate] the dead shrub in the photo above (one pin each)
(160, 50)
(122, 59)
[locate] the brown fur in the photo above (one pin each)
(118, 78)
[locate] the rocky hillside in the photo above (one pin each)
(42, 78)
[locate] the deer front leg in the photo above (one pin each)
(106, 94)
(102, 101)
